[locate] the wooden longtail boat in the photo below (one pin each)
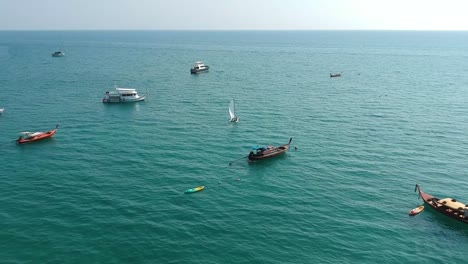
(28, 137)
(267, 152)
(447, 206)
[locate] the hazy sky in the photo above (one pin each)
(234, 14)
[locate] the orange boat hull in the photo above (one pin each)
(42, 136)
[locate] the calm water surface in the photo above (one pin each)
(108, 188)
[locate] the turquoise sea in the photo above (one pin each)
(109, 187)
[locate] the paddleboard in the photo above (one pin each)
(196, 189)
(416, 210)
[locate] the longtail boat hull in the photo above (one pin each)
(448, 206)
(270, 153)
(38, 137)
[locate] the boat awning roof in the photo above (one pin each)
(452, 203)
(126, 89)
(259, 148)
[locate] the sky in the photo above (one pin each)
(233, 15)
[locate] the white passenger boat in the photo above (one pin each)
(199, 67)
(58, 54)
(122, 95)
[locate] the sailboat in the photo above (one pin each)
(232, 112)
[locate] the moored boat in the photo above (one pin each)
(446, 206)
(416, 210)
(332, 75)
(199, 67)
(58, 54)
(123, 95)
(265, 152)
(28, 137)
(232, 112)
(196, 189)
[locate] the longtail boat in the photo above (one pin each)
(28, 137)
(267, 152)
(447, 206)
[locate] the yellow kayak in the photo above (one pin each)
(196, 189)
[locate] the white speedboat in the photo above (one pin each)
(1, 110)
(122, 95)
(58, 54)
(199, 67)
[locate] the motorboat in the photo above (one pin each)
(1, 110)
(28, 137)
(123, 95)
(333, 75)
(199, 67)
(58, 54)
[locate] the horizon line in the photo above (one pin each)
(460, 30)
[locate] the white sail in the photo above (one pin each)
(232, 109)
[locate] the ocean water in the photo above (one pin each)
(109, 187)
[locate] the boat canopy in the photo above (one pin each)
(452, 203)
(263, 148)
(126, 90)
(198, 64)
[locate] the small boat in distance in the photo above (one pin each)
(416, 210)
(447, 206)
(232, 112)
(58, 54)
(263, 152)
(332, 75)
(123, 95)
(199, 67)
(196, 189)
(1, 110)
(28, 137)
